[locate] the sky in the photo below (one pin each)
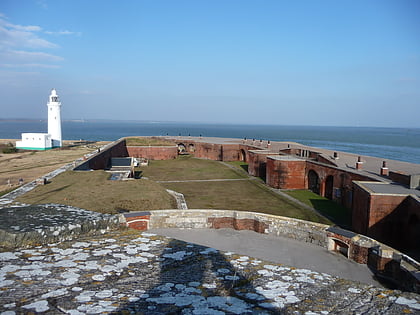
(325, 63)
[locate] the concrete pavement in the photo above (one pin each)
(275, 249)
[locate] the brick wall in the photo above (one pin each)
(286, 174)
(102, 159)
(153, 153)
(257, 162)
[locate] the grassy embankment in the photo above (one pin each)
(338, 214)
(93, 191)
(30, 165)
(148, 141)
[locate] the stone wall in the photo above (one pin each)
(384, 261)
(153, 153)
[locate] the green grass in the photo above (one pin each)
(243, 166)
(247, 195)
(188, 168)
(93, 191)
(148, 141)
(337, 213)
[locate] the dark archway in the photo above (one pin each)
(313, 181)
(329, 187)
(242, 155)
(181, 148)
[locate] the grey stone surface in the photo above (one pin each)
(130, 273)
(40, 224)
(276, 249)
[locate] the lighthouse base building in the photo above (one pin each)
(35, 141)
(50, 140)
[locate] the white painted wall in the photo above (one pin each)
(54, 119)
(35, 141)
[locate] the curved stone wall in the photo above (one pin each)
(385, 262)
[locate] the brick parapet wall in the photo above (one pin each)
(382, 259)
(153, 152)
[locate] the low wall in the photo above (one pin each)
(386, 262)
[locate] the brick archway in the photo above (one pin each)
(242, 155)
(313, 181)
(329, 187)
(181, 148)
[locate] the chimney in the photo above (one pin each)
(384, 169)
(359, 163)
(268, 143)
(335, 156)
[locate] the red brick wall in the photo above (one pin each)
(381, 206)
(153, 153)
(286, 174)
(257, 163)
(138, 222)
(208, 151)
(216, 152)
(102, 158)
(360, 210)
(238, 224)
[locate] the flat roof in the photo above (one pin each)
(388, 188)
(284, 158)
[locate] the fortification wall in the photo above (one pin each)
(384, 261)
(153, 153)
(286, 174)
(101, 159)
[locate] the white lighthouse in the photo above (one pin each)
(54, 119)
(52, 139)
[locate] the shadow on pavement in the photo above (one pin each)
(195, 279)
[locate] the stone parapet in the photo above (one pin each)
(386, 262)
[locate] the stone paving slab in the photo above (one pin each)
(128, 272)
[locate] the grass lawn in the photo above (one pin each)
(93, 191)
(188, 168)
(247, 195)
(241, 165)
(337, 213)
(30, 165)
(146, 141)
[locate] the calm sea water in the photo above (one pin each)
(388, 143)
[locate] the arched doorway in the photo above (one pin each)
(181, 148)
(313, 181)
(329, 186)
(191, 148)
(242, 155)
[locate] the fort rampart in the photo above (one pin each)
(386, 262)
(390, 218)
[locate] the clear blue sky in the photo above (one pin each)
(350, 63)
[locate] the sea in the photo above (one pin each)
(388, 143)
